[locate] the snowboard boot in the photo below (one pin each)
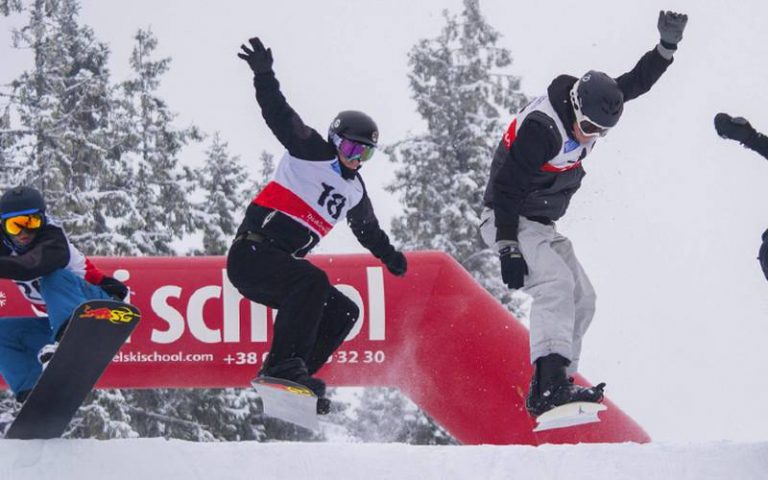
(295, 370)
(323, 406)
(551, 387)
(46, 353)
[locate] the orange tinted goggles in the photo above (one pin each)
(14, 225)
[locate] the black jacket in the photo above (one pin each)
(48, 252)
(305, 143)
(517, 184)
(758, 143)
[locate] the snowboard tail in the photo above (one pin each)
(96, 331)
(291, 402)
(569, 415)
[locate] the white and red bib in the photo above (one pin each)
(571, 151)
(311, 192)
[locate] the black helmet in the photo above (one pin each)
(356, 126)
(21, 200)
(597, 97)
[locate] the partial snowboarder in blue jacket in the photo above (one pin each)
(53, 275)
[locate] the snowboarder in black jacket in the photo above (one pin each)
(739, 129)
(316, 184)
(535, 171)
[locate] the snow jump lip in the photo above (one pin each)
(435, 334)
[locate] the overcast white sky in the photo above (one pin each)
(669, 218)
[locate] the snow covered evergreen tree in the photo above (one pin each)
(267, 169)
(9, 408)
(6, 143)
(159, 209)
(385, 415)
(9, 6)
(224, 181)
(63, 108)
(103, 415)
(466, 97)
(197, 415)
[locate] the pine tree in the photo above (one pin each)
(63, 110)
(208, 415)
(103, 415)
(223, 179)
(267, 161)
(386, 415)
(159, 210)
(9, 6)
(465, 96)
(7, 141)
(9, 408)
(195, 415)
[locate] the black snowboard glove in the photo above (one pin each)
(513, 266)
(734, 128)
(395, 263)
(671, 26)
(115, 288)
(258, 57)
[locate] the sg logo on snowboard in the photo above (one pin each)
(114, 315)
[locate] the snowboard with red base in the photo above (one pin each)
(96, 331)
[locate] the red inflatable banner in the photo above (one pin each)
(435, 334)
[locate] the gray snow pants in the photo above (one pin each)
(563, 297)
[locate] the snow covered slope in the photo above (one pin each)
(178, 460)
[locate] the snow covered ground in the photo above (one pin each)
(178, 460)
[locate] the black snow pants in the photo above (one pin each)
(313, 316)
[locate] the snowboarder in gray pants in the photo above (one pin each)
(536, 169)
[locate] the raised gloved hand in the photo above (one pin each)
(258, 57)
(513, 266)
(396, 263)
(671, 26)
(114, 288)
(734, 128)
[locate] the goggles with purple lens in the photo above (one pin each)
(353, 150)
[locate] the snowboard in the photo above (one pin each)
(96, 331)
(569, 415)
(290, 401)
